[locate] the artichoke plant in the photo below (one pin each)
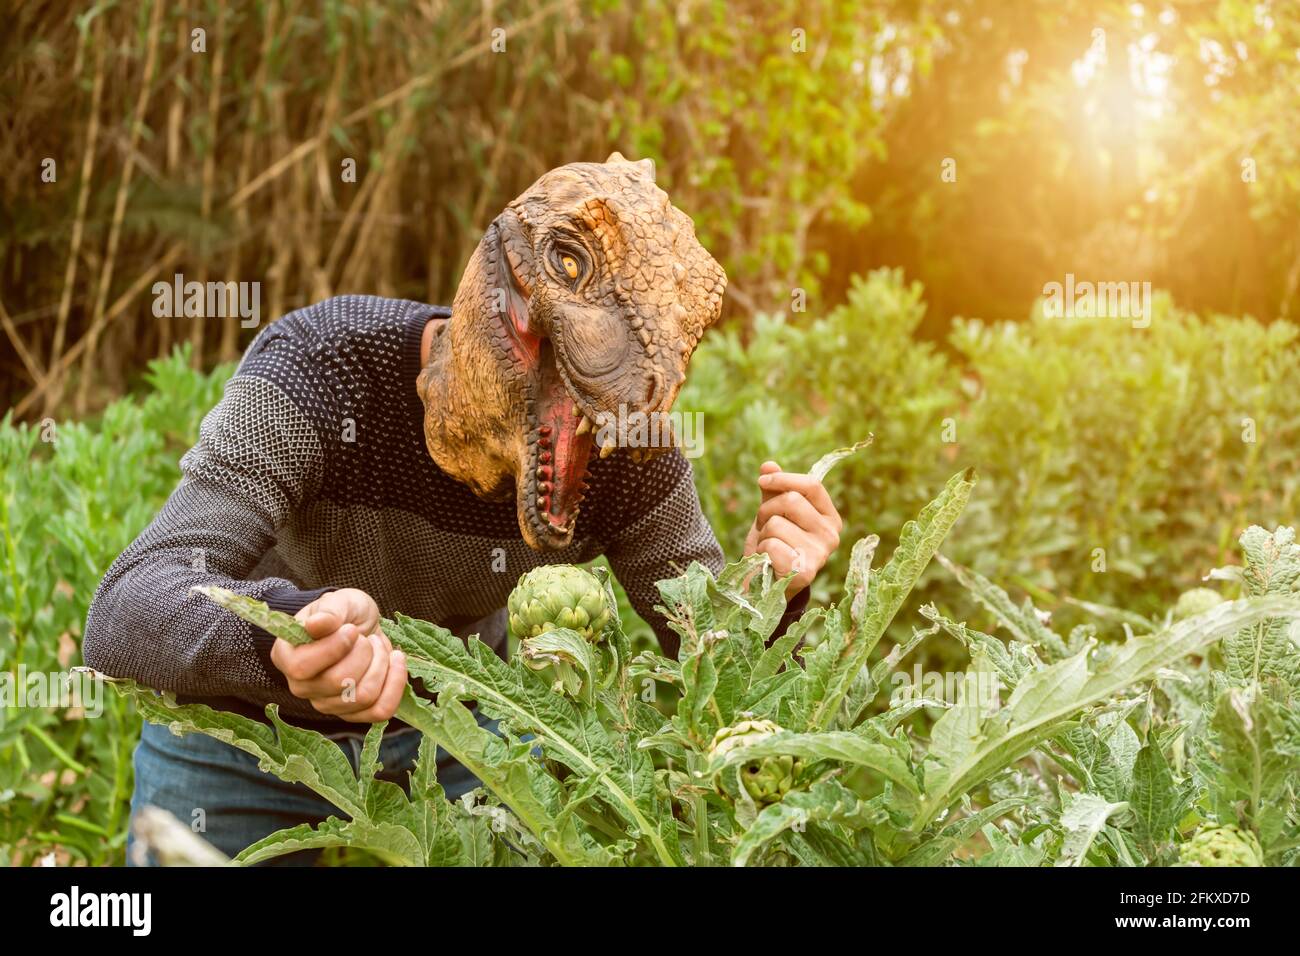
(1221, 846)
(558, 613)
(559, 596)
(767, 779)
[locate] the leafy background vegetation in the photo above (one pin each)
(804, 171)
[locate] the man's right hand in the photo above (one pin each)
(350, 669)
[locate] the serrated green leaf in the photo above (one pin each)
(567, 732)
(822, 467)
(568, 657)
(935, 850)
(1024, 622)
(1257, 756)
(1155, 798)
(276, 623)
(1084, 816)
(823, 802)
(874, 599)
(516, 778)
(976, 747)
(392, 844)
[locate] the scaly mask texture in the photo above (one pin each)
(585, 299)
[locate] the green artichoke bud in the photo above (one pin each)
(1221, 846)
(767, 779)
(559, 596)
(1196, 601)
(745, 732)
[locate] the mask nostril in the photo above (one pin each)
(651, 391)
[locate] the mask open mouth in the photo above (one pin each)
(554, 478)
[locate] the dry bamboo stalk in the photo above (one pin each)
(278, 274)
(351, 218)
(392, 96)
(230, 327)
(78, 224)
(176, 109)
(324, 176)
(209, 173)
(29, 362)
(175, 119)
(309, 237)
(489, 182)
(304, 237)
(116, 309)
(358, 263)
(119, 208)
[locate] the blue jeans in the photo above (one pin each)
(199, 778)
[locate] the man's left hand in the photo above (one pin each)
(797, 525)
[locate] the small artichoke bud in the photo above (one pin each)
(767, 779)
(745, 732)
(1221, 846)
(559, 596)
(1196, 601)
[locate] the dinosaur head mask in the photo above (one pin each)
(584, 300)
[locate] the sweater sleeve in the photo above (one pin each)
(663, 541)
(258, 457)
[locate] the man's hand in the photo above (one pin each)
(797, 525)
(350, 670)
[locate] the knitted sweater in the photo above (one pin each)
(310, 474)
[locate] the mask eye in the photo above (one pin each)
(567, 262)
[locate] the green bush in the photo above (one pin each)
(72, 497)
(1088, 434)
(794, 389)
(1158, 445)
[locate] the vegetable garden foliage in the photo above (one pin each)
(789, 752)
(72, 497)
(1116, 465)
(1086, 434)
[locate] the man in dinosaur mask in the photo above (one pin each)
(374, 455)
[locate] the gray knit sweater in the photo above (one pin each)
(311, 474)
